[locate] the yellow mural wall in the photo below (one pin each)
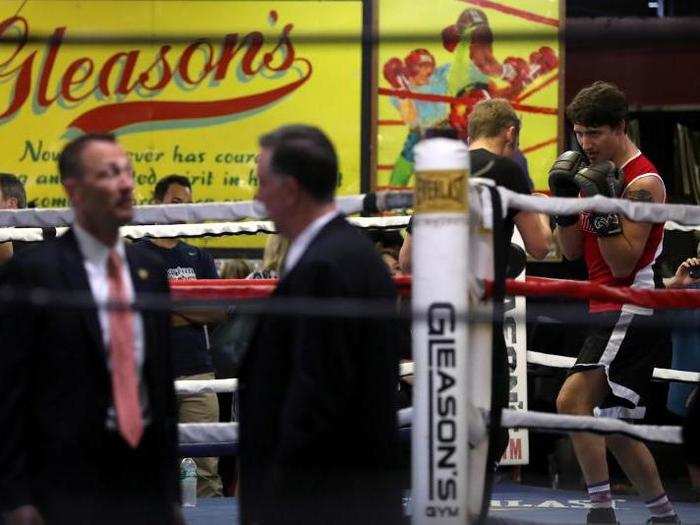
(187, 86)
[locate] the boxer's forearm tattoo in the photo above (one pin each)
(640, 195)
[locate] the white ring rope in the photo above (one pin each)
(199, 230)
(685, 214)
(187, 220)
(681, 215)
(560, 361)
(191, 386)
(145, 214)
(602, 425)
(187, 387)
(674, 226)
(227, 433)
(207, 433)
(163, 213)
(245, 227)
(26, 234)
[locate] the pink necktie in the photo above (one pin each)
(125, 387)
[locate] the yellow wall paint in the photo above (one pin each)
(218, 152)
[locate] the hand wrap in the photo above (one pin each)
(603, 179)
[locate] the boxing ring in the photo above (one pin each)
(509, 502)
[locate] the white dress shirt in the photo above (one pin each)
(95, 262)
(301, 243)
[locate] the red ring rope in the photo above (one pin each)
(647, 297)
(532, 287)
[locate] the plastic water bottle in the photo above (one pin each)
(188, 482)
(407, 502)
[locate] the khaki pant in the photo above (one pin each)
(202, 408)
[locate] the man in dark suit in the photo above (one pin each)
(87, 404)
(318, 397)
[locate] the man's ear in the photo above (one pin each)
(292, 188)
(12, 203)
(621, 127)
(511, 141)
(511, 135)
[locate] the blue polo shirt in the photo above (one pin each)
(190, 343)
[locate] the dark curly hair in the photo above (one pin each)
(599, 104)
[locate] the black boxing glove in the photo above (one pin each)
(562, 173)
(602, 178)
(562, 181)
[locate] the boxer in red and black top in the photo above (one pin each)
(613, 370)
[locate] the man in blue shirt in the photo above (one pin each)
(191, 355)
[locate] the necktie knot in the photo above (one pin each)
(114, 263)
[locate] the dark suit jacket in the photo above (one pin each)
(55, 388)
(318, 398)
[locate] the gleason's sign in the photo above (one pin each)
(188, 98)
(122, 73)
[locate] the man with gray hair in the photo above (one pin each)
(306, 376)
(12, 197)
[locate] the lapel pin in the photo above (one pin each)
(143, 274)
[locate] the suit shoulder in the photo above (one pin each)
(142, 250)
(37, 254)
(142, 258)
(342, 239)
(36, 263)
(348, 250)
(144, 255)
